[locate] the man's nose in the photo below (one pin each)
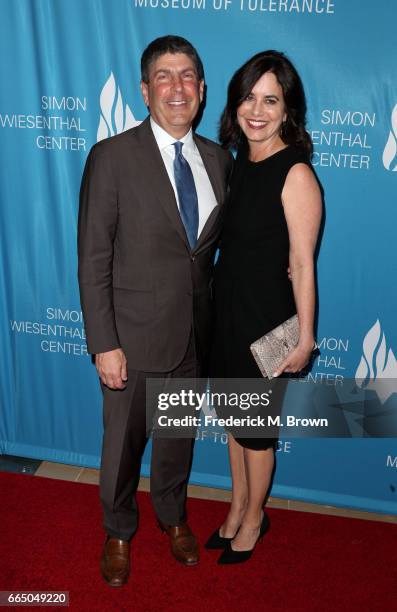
(176, 81)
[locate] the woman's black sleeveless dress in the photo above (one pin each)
(252, 291)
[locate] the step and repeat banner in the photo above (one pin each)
(70, 77)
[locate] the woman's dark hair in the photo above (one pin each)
(169, 44)
(293, 130)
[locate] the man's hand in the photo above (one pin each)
(112, 368)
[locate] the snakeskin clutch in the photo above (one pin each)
(271, 350)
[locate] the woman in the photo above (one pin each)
(271, 224)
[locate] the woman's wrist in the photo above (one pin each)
(307, 343)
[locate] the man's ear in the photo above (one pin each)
(201, 90)
(145, 92)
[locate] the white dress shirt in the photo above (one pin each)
(205, 193)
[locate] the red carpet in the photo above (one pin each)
(52, 538)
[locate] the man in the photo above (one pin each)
(148, 223)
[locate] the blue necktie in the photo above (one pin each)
(187, 194)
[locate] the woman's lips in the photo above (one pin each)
(256, 125)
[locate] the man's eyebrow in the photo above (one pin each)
(162, 70)
(169, 70)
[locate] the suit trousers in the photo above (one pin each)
(124, 442)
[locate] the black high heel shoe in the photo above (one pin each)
(230, 556)
(217, 542)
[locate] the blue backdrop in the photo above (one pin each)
(70, 76)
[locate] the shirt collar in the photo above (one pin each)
(164, 139)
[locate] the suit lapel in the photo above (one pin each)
(153, 166)
(214, 174)
(212, 168)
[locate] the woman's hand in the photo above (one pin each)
(296, 359)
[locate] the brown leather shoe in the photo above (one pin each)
(184, 545)
(115, 561)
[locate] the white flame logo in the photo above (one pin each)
(375, 365)
(113, 119)
(389, 154)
